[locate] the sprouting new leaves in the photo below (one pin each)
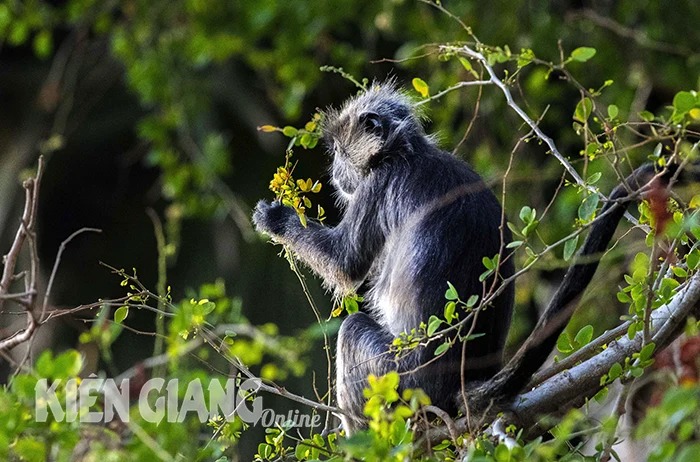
(350, 304)
(491, 265)
(528, 216)
(421, 87)
(289, 191)
(289, 131)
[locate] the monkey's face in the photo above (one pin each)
(370, 128)
(354, 145)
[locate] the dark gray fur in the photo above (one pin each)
(415, 217)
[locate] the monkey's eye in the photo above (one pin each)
(371, 123)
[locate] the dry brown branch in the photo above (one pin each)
(25, 233)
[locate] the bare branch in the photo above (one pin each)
(24, 233)
(54, 270)
(509, 100)
(466, 83)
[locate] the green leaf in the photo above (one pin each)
(527, 214)
(466, 63)
(433, 324)
(265, 450)
(43, 44)
(484, 275)
(593, 179)
(584, 336)
(421, 87)
(312, 144)
(514, 229)
(531, 226)
(474, 336)
(502, 453)
(693, 259)
(121, 313)
(290, 131)
(615, 371)
(471, 301)
(601, 395)
(588, 207)
(683, 102)
(564, 343)
(303, 449)
(570, 248)
(442, 348)
(613, 111)
(583, 110)
(646, 352)
(444, 445)
(623, 297)
(647, 116)
(450, 311)
(451, 292)
(350, 304)
(30, 449)
(526, 56)
(583, 54)
(68, 364)
(488, 263)
(44, 365)
(689, 453)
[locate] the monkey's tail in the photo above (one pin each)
(532, 354)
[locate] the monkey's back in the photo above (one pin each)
(441, 221)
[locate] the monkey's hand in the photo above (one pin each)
(273, 218)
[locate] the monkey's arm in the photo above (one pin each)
(342, 256)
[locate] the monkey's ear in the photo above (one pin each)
(371, 122)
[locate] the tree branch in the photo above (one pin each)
(574, 386)
(571, 388)
(24, 233)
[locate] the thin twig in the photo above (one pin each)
(324, 331)
(467, 83)
(511, 103)
(162, 278)
(54, 270)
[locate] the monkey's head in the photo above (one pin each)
(375, 126)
